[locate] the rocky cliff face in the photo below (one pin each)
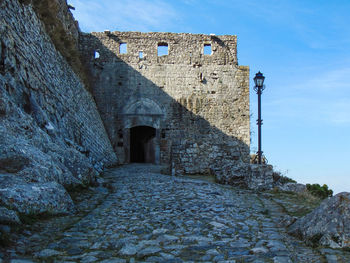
(51, 134)
(327, 225)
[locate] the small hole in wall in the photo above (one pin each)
(207, 49)
(27, 108)
(141, 54)
(97, 54)
(120, 134)
(26, 105)
(123, 48)
(163, 49)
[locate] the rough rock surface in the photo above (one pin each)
(292, 187)
(50, 128)
(327, 225)
(8, 216)
(36, 198)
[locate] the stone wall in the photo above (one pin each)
(198, 103)
(50, 128)
(63, 30)
(56, 15)
(63, 14)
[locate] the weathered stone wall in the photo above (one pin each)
(63, 30)
(50, 128)
(56, 15)
(70, 25)
(198, 104)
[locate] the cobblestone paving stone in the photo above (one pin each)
(150, 217)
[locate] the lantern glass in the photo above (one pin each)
(259, 79)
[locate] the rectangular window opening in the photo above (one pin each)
(163, 49)
(207, 49)
(123, 49)
(140, 54)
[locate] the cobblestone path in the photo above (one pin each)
(150, 217)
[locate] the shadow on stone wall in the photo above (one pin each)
(187, 141)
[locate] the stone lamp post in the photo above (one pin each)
(259, 87)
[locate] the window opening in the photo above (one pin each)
(163, 49)
(97, 54)
(141, 54)
(207, 49)
(123, 48)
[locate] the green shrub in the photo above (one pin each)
(319, 191)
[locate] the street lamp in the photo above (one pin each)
(259, 87)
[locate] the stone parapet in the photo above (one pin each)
(164, 48)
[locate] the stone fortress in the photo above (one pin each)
(184, 108)
(73, 103)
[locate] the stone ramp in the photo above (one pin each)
(151, 217)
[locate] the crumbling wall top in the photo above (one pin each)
(164, 48)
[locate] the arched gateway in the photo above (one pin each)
(142, 120)
(142, 144)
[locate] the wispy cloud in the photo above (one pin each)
(323, 98)
(339, 112)
(335, 81)
(190, 2)
(310, 110)
(140, 15)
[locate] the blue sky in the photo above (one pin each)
(303, 49)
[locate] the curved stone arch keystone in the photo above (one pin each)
(143, 112)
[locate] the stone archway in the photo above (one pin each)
(142, 144)
(142, 121)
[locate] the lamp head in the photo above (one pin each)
(259, 79)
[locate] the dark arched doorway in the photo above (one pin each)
(142, 144)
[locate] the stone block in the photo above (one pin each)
(260, 177)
